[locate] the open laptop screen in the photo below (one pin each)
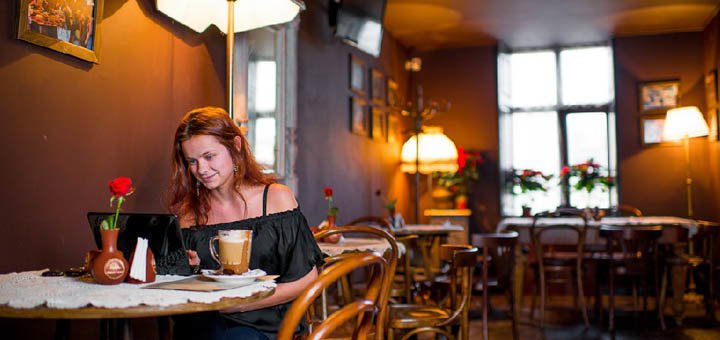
(161, 230)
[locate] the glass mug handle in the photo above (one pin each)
(213, 251)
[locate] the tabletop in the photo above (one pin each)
(30, 295)
(428, 229)
(687, 223)
(348, 244)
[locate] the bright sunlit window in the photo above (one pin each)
(546, 123)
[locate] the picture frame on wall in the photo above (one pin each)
(379, 124)
(357, 72)
(71, 27)
(651, 129)
(393, 94)
(711, 104)
(655, 96)
(393, 129)
(359, 118)
(378, 92)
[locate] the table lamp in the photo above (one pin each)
(685, 123)
(252, 14)
(428, 151)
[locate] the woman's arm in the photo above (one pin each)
(283, 293)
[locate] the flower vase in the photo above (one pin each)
(335, 238)
(526, 211)
(461, 201)
(109, 267)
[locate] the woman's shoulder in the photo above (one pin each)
(280, 198)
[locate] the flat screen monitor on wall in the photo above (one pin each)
(358, 23)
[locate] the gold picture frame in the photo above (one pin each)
(70, 27)
(658, 96)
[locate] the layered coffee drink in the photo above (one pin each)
(234, 250)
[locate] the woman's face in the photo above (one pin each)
(209, 161)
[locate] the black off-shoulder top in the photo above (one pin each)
(282, 244)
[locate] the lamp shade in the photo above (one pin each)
(686, 121)
(249, 14)
(437, 152)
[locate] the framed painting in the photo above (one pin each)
(711, 94)
(393, 129)
(378, 92)
(714, 124)
(658, 95)
(393, 95)
(357, 75)
(379, 124)
(70, 27)
(651, 129)
(359, 119)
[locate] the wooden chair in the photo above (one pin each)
(452, 311)
(363, 308)
(391, 257)
(497, 264)
(633, 252)
(403, 283)
(559, 253)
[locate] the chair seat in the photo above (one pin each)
(413, 316)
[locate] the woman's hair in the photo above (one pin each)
(187, 197)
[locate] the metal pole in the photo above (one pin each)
(688, 178)
(229, 52)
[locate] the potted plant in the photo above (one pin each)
(457, 184)
(526, 181)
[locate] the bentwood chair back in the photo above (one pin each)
(403, 282)
(363, 308)
(414, 319)
(632, 251)
(497, 265)
(559, 250)
(391, 257)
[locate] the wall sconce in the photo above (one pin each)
(252, 14)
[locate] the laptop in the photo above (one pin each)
(161, 230)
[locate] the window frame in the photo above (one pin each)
(505, 113)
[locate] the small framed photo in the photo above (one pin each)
(714, 123)
(393, 129)
(357, 75)
(379, 124)
(393, 94)
(359, 119)
(651, 129)
(658, 95)
(70, 27)
(377, 90)
(711, 95)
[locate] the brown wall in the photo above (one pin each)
(69, 126)
(467, 79)
(711, 53)
(328, 154)
(653, 178)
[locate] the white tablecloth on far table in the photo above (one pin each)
(350, 244)
(30, 289)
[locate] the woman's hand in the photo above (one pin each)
(193, 257)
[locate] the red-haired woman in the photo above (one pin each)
(216, 185)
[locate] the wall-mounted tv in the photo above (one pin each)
(358, 23)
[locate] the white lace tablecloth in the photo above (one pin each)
(29, 289)
(349, 244)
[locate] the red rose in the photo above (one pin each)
(328, 192)
(565, 169)
(121, 186)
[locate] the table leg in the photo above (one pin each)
(164, 328)
(425, 245)
(518, 283)
(678, 268)
(125, 329)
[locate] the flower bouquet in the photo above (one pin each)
(586, 176)
(526, 181)
(458, 182)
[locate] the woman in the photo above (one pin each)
(217, 184)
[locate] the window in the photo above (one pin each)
(265, 76)
(556, 108)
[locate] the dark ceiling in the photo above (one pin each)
(438, 24)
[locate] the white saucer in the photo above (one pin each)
(240, 280)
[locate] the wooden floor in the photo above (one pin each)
(565, 322)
